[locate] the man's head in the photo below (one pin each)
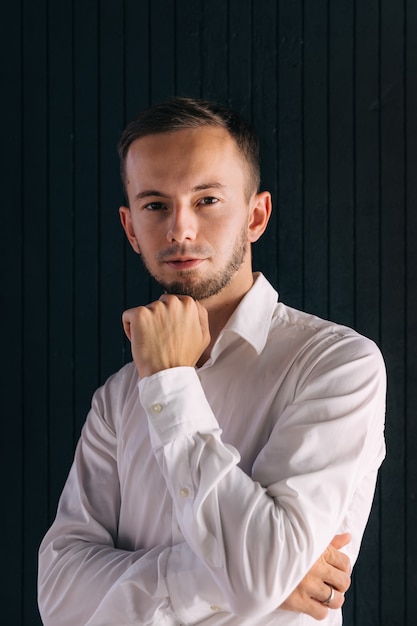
(191, 177)
(187, 113)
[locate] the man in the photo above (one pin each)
(213, 472)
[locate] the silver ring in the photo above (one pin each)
(331, 596)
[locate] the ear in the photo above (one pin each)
(126, 220)
(259, 214)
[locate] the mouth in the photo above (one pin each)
(183, 263)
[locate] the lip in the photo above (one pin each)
(183, 263)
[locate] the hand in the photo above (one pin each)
(332, 570)
(171, 332)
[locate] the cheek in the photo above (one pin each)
(229, 227)
(147, 235)
(229, 239)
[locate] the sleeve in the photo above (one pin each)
(260, 535)
(84, 579)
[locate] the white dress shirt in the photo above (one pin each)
(203, 496)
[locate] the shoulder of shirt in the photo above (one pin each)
(289, 317)
(317, 334)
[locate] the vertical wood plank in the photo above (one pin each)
(214, 59)
(188, 49)
(411, 307)
(265, 120)
(290, 145)
(367, 171)
(35, 293)
(137, 57)
(367, 255)
(61, 244)
(86, 219)
(162, 46)
(316, 159)
(393, 309)
(11, 242)
(341, 175)
(240, 57)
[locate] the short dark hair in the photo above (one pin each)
(182, 113)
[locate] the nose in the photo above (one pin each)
(182, 224)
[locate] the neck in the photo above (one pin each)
(219, 311)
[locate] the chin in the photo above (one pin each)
(199, 290)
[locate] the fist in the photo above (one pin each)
(170, 332)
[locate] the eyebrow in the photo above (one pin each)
(202, 187)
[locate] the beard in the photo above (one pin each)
(201, 289)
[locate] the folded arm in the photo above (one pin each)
(85, 579)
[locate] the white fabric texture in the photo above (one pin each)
(203, 496)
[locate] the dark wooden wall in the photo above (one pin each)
(331, 86)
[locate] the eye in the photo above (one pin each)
(155, 206)
(208, 200)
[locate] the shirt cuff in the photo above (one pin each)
(176, 405)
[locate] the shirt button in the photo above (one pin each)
(215, 608)
(157, 408)
(184, 492)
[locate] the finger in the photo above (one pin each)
(340, 541)
(337, 559)
(315, 609)
(331, 597)
(166, 297)
(126, 324)
(338, 576)
(338, 580)
(171, 297)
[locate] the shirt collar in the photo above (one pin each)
(252, 318)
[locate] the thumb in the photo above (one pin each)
(339, 541)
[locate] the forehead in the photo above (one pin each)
(183, 152)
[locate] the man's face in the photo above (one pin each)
(188, 212)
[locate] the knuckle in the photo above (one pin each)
(188, 302)
(345, 562)
(328, 571)
(346, 582)
(339, 601)
(322, 613)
